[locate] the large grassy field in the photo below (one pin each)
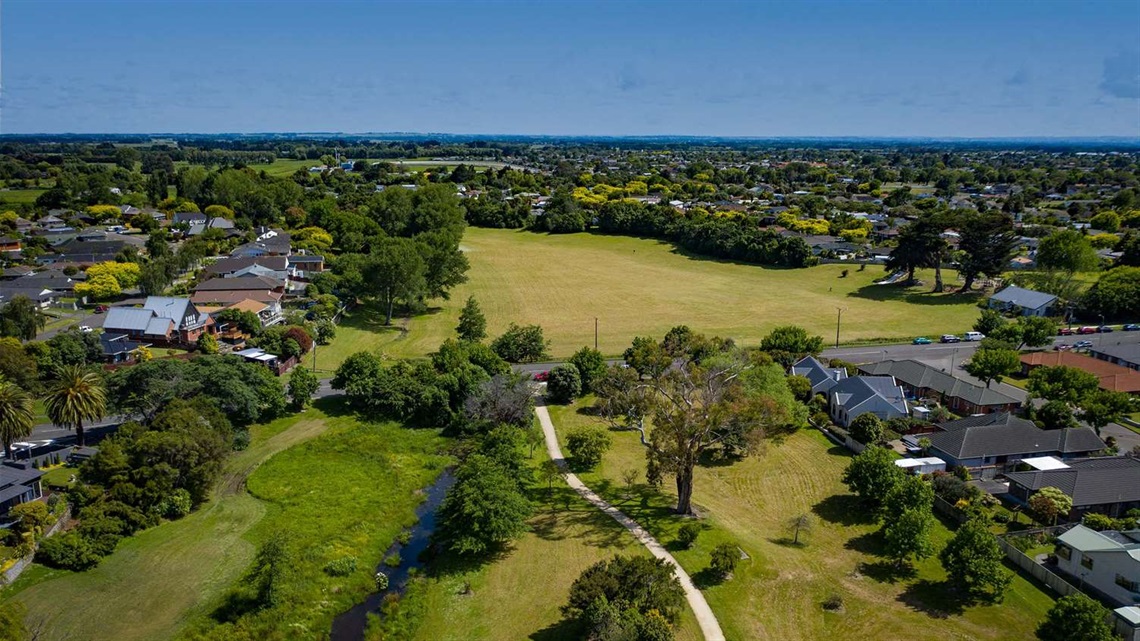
(637, 287)
(334, 484)
(777, 594)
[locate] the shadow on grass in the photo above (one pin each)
(789, 542)
(913, 295)
(870, 544)
(333, 405)
(560, 511)
(888, 571)
(844, 509)
(371, 318)
(564, 630)
(936, 599)
(707, 578)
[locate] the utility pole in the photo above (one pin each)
(595, 333)
(838, 318)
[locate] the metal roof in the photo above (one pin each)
(1021, 297)
(127, 318)
(167, 306)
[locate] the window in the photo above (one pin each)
(1065, 552)
(1123, 582)
(1086, 561)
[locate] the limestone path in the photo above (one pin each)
(710, 628)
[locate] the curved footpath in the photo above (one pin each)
(710, 628)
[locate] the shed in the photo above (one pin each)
(927, 465)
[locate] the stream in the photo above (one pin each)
(350, 625)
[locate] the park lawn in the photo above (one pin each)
(777, 593)
(638, 287)
(159, 579)
(363, 330)
(285, 166)
(18, 196)
(508, 600)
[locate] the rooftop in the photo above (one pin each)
(1021, 297)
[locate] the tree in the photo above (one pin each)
(591, 366)
(521, 344)
(302, 385)
(1056, 415)
(1101, 407)
(472, 324)
(564, 384)
(725, 556)
(989, 321)
(562, 214)
(245, 321)
(207, 343)
(1115, 295)
(687, 534)
(548, 471)
(76, 397)
(910, 493)
(17, 415)
(1050, 503)
(484, 509)
(908, 536)
(647, 357)
(271, 568)
(504, 399)
(987, 243)
(791, 343)
(1061, 383)
(1076, 617)
(1108, 221)
(800, 387)
(587, 445)
(1067, 250)
(920, 244)
(1037, 331)
(993, 364)
(872, 474)
(973, 562)
(867, 428)
(21, 318)
(639, 583)
(800, 524)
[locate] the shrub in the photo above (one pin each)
(342, 566)
(866, 428)
(640, 583)
(688, 534)
(69, 551)
(564, 383)
(175, 506)
(521, 344)
(833, 603)
(587, 445)
(724, 559)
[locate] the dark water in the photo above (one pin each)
(350, 625)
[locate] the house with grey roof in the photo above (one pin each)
(269, 242)
(1026, 301)
(992, 444)
(1122, 354)
(161, 319)
(19, 483)
(1107, 485)
(879, 395)
(959, 396)
(822, 378)
(1108, 562)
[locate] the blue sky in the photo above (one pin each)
(919, 68)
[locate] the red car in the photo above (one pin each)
(1087, 329)
(99, 309)
(1066, 331)
(541, 376)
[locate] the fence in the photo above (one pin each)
(1036, 570)
(950, 510)
(14, 572)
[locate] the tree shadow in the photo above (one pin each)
(936, 599)
(564, 630)
(333, 405)
(236, 604)
(789, 542)
(587, 410)
(844, 509)
(913, 295)
(888, 571)
(717, 458)
(707, 578)
(870, 544)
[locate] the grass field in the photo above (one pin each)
(363, 329)
(17, 196)
(285, 166)
(643, 287)
(777, 594)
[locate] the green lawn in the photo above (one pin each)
(643, 287)
(285, 166)
(156, 581)
(363, 329)
(777, 593)
(16, 196)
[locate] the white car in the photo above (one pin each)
(974, 336)
(86, 329)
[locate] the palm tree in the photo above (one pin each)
(78, 396)
(16, 415)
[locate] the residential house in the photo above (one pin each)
(10, 245)
(1029, 302)
(822, 378)
(188, 218)
(302, 269)
(992, 444)
(162, 320)
(16, 271)
(1108, 562)
(275, 363)
(1111, 376)
(879, 395)
(217, 222)
(19, 483)
(1122, 355)
(276, 267)
(1107, 485)
(923, 381)
(269, 242)
(227, 291)
(118, 348)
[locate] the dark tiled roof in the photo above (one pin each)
(230, 265)
(1002, 434)
(238, 284)
(13, 474)
(916, 374)
(822, 378)
(1127, 353)
(1096, 481)
(853, 392)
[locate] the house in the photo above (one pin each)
(161, 319)
(274, 362)
(9, 245)
(992, 444)
(231, 290)
(42, 297)
(923, 381)
(1107, 485)
(198, 228)
(1111, 376)
(19, 483)
(268, 313)
(1122, 355)
(188, 218)
(822, 378)
(270, 266)
(302, 269)
(269, 242)
(16, 271)
(118, 348)
(879, 395)
(1108, 562)
(1029, 302)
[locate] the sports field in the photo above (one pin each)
(644, 287)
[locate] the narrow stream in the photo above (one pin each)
(350, 625)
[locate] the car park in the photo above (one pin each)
(950, 338)
(1131, 327)
(922, 340)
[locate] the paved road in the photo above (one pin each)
(710, 627)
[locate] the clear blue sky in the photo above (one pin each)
(902, 68)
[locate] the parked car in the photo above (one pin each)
(1131, 327)
(1065, 331)
(1104, 329)
(1087, 329)
(922, 340)
(950, 338)
(86, 329)
(1062, 347)
(99, 309)
(541, 376)
(1082, 344)
(974, 336)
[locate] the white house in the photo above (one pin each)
(1108, 561)
(1030, 303)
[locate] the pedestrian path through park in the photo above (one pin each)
(710, 627)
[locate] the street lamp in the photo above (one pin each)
(838, 318)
